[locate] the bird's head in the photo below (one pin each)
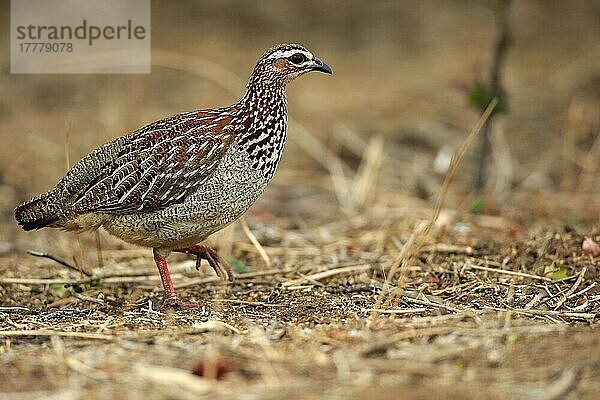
(282, 64)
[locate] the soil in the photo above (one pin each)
(345, 297)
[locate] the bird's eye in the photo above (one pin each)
(298, 58)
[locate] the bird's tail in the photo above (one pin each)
(38, 212)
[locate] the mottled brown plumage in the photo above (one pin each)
(172, 183)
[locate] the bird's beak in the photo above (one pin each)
(318, 65)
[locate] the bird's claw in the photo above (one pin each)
(216, 262)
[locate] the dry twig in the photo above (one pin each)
(255, 242)
(416, 240)
(58, 260)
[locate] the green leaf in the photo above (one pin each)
(477, 204)
(512, 338)
(557, 273)
(480, 95)
(59, 290)
(238, 266)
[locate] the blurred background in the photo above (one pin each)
(379, 131)
(368, 149)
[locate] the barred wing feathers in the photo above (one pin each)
(160, 165)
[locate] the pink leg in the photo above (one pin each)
(171, 297)
(218, 263)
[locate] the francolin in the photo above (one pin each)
(171, 184)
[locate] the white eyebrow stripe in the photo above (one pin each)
(288, 53)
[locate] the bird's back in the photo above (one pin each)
(154, 167)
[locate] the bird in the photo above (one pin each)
(171, 184)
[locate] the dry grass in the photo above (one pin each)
(472, 310)
(494, 306)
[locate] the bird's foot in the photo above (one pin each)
(217, 263)
(170, 297)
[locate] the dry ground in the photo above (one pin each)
(484, 314)
(499, 305)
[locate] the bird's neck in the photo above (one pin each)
(259, 92)
(264, 126)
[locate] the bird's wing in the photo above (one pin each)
(160, 165)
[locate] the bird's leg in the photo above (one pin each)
(218, 263)
(165, 277)
(171, 297)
